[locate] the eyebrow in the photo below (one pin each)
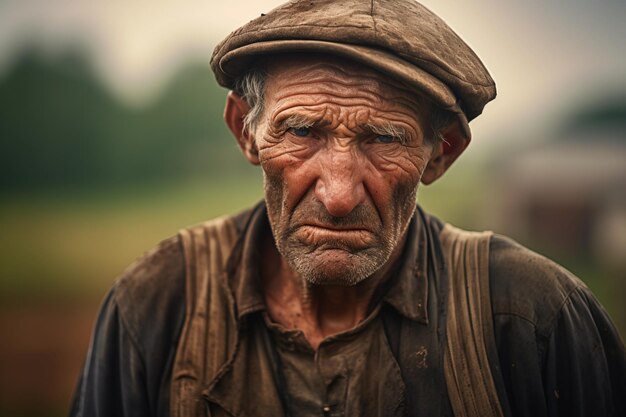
(389, 129)
(297, 121)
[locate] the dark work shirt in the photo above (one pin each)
(558, 352)
(350, 374)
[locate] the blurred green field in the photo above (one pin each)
(66, 246)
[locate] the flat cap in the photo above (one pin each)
(400, 38)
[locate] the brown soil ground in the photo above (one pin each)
(42, 348)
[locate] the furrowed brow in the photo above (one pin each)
(389, 129)
(296, 121)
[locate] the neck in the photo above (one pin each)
(319, 311)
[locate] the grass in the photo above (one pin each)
(75, 245)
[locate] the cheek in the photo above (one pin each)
(399, 164)
(286, 167)
(274, 189)
(393, 185)
(277, 154)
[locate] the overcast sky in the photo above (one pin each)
(544, 55)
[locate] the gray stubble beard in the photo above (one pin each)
(353, 270)
(358, 266)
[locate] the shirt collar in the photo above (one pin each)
(407, 291)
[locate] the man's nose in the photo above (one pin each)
(340, 184)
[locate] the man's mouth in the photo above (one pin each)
(343, 235)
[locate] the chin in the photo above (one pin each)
(336, 267)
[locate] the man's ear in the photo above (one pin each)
(234, 112)
(445, 152)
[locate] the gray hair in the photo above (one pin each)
(251, 87)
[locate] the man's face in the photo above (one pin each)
(342, 150)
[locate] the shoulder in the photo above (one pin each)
(525, 285)
(156, 266)
(528, 285)
(150, 292)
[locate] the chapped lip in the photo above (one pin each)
(336, 228)
(316, 234)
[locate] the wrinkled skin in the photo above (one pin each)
(339, 194)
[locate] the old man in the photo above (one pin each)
(337, 296)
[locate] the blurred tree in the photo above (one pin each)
(609, 113)
(60, 128)
(54, 120)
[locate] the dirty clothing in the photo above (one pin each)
(558, 353)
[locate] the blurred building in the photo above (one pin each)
(568, 194)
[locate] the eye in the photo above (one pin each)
(384, 139)
(300, 131)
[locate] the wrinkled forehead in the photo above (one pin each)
(327, 74)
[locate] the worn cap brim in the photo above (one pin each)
(235, 62)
